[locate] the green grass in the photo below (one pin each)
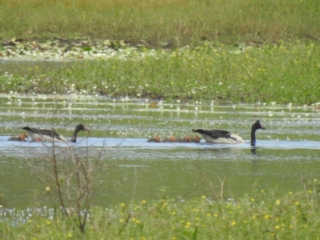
(283, 73)
(282, 66)
(162, 23)
(265, 215)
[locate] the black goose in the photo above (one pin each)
(257, 125)
(222, 136)
(45, 135)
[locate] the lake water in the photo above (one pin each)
(133, 169)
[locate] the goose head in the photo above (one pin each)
(257, 125)
(79, 127)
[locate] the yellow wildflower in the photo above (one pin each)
(188, 224)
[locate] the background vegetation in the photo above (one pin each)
(227, 51)
(262, 216)
(164, 22)
(221, 50)
(283, 73)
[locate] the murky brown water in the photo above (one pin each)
(286, 152)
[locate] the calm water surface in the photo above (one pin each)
(132, 169)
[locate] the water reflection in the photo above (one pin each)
(119, 132)
(253, 151)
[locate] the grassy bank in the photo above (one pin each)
(283, 73)
(282, 66)
(262, 216)
(164, 23)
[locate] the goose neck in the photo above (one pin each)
(253, 136)
(74, 135)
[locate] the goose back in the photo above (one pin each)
(37, 134)
(219, 136)
(46, 135)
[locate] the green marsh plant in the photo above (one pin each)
(265, 214)
(283, 73)
(69, 176)
(166, 23)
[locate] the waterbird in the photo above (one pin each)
(188, 139)
(184, 139)
(155, 139)
(195, 139)
(45, 135)
(223, 136)
(20, 137)
(257, 125)
(170, 139)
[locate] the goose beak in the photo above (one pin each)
(262, 127)
(86, 129)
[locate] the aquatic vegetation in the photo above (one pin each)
(228, 56)
(210, 52)
(266, 214)
(283, 73)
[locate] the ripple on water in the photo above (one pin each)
(287, 150)
(139, 148)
